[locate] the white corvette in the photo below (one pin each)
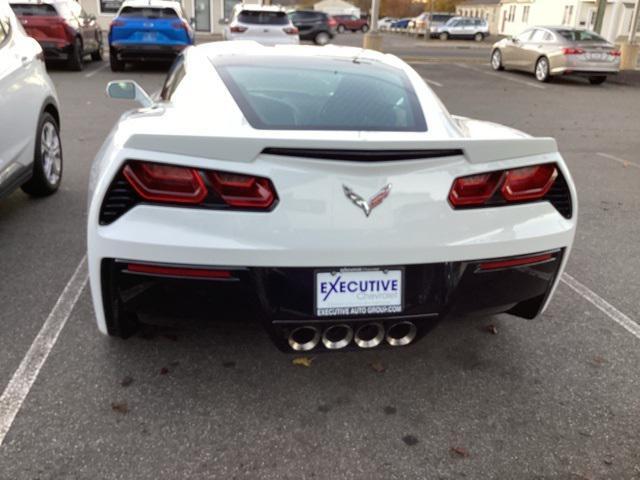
(330, 188)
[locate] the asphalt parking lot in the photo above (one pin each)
(483, 398)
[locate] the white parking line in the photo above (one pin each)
(432, 82)
(93, 72)
(601, 304)
(503, 76)
(626, 163)
(20, 384)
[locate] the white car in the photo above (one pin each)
(30, 148)
(330, 188)
(386, 22)
(266, 24)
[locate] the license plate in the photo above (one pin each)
(597, 56)
(358, 292)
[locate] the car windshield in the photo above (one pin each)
(253, 17)
(325, 94)
(34, 9)
(580, 36)
(148, 12)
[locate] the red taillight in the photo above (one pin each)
(290, 30)
(332, 22)
(515, 262)
(615, 53)
(243, 190)
(238, 29)
(116, 23)
(165, 183)
(529, 183)
(572, 51)
(474, 189)
(177, 271)
(515, 185)
(181, 24)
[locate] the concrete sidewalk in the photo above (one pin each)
(626, 77)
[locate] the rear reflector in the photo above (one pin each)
(290, 30)
(529, 183)
(177, 271)
(237, 29)
(474, 189)
(515, 262)
(165, 183)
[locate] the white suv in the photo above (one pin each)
(462, 27)
(30, 149)
(268, 25)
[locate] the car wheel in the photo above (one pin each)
(478, 37)
(542, 70)
(116, 65)
(47, 159)
(444, 36)
(364, 29)
(496, 60)
(597, 79)
(74, 62)
(98, 54)
(322, 38)
(341, 29)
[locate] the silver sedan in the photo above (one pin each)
(552, 51)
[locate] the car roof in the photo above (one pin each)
(37, 2)
(249, 48)
(151, 3)
(260, 8)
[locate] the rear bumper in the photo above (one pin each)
(283, 298)
(56, 50)
(145, 53)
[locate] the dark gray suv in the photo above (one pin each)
(315, 26)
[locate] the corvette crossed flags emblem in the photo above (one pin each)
(373, 202)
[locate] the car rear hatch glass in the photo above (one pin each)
(291, 93)
(149, 25)
(261, 23)
(41, 21)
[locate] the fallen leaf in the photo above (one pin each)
(626, 163)
(608, 461)
(599, 360)
(164, 371)
(377, 366)
(126, 381)
(302, 361)
(410, 440)
(460, 451)
(492, 329)
(120, 407)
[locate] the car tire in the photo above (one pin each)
(496, 60)
(478, 37)
(444, 36)
(74, 62)
(322, 38)
(542, 71)
(116, 65)
(364, 29)
(597, 79)
(47, 159)
(340, 29)
(120, 323)
(98, 55)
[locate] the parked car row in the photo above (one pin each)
(441, 25)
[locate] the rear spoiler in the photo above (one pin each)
(247, 149)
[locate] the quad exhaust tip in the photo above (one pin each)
(369, 335)
(337, 336)
(401, 333)
(303, 339)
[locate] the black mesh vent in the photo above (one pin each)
(361, 155)
(119, 198)
(560, 197)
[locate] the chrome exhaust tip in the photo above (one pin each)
(369, 335)
(303, 339)
(337, 336)
(401, 333)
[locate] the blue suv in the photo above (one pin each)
(148, 31)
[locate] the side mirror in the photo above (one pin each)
(192, 22)
(223, 21)
(129, 90)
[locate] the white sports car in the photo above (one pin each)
(330, 188)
